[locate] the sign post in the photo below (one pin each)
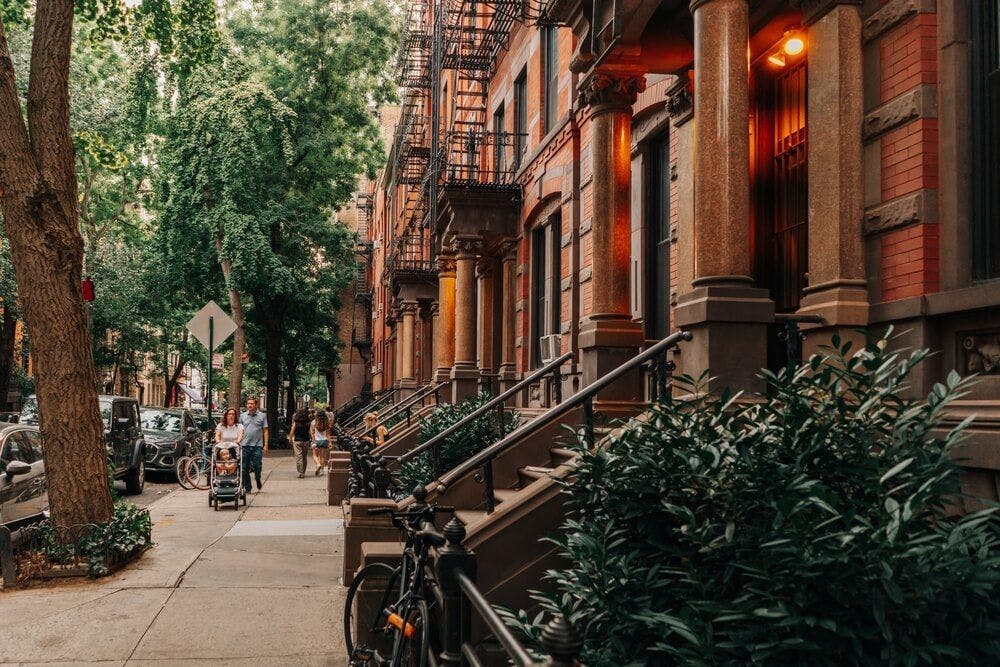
(211, 326)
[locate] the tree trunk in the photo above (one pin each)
(174, 377)
(38, 181)
(290, 394)
(240, 335)
(272, 373)
(8, 332)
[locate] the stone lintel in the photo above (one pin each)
(919, 206)
(814, 10)
(919, 102)
(891, 14)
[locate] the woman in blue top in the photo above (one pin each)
(321, 433)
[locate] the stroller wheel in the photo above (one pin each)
(216, 504)
(210, 498)
(236, 503)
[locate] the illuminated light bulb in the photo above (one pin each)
(794, 45)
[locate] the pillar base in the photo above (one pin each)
(407, 387)
(606, 344)
(843, 305)
(508, 376)
(728, 321)
(464, 381)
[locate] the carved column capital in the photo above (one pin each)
(408, 307)
(507, 250)
(467, 248)
(680, 100)
(814, 10)
(611, 93)
(446, 264)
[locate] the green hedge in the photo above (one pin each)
(813, 527)
(458, 447)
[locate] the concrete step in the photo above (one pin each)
(529, 474)
(470, 517)
(502, 495)
(561, 455)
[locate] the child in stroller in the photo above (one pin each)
(226, 481)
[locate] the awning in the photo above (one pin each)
(191, 393)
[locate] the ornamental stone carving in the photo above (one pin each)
(612, 91)
(446, 264)
(680, 101)
(982, 352)
(466, 248)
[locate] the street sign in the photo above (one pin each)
(218, 361)
(211, 317)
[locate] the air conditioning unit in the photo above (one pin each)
(550, 347)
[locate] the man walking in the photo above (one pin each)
(255, 437)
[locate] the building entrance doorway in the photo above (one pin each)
(779, 166)
(657, 241)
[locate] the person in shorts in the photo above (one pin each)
(321, 431)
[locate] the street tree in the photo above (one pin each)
(328, 61)
(41, 214)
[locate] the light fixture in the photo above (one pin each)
(793, 43)
(777, 59)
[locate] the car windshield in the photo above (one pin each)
(29, 412)
(157, 420)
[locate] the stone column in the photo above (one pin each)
(465, 374)
(444, 326)
(726, 314)
(407, 375)
(608, 335)
(508, 359)
(837, 290)
(486, 328)
(397, 366)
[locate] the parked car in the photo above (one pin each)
(24, 494)
(168, 434)
(123, 437)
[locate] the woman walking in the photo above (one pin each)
(229, 430)
(300, 438)
(320, 431)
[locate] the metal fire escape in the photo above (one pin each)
(361, 325)
(475, 34)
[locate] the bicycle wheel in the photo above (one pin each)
(181, 471)
(370, 620)
(197, 472)
(412, 642)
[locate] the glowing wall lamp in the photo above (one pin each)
(792, 44)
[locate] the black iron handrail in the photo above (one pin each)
(388, 396)
(552, 367)
(791, 334)
(405, 405)
(454, 573)
(583, 397)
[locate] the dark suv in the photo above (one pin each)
(24, 494)
(170, 434)
(122, 434)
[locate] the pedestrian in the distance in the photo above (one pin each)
(301, 436)
(321, 435)
(255, 440)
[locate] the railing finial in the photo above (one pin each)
(562, 641)
(454, 532)
(420, 493)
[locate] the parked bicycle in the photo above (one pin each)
(192, 469)
(403, 613)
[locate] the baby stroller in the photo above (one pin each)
(226, 480)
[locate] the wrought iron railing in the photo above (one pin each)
(46, 550)
(371, 474)
(791, 336)
(353, 412)
(583, 398)
(401, 410)
(457, 597)
(481, 158)
(410, 255)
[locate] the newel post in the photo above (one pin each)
(451, 560)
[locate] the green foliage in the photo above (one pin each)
(812, 527)
(128, 532)
(466, 441)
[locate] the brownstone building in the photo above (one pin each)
(586, 176)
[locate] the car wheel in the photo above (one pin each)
(135, 480)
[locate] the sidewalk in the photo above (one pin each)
(259, 586)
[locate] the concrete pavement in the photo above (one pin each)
(258, 586)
